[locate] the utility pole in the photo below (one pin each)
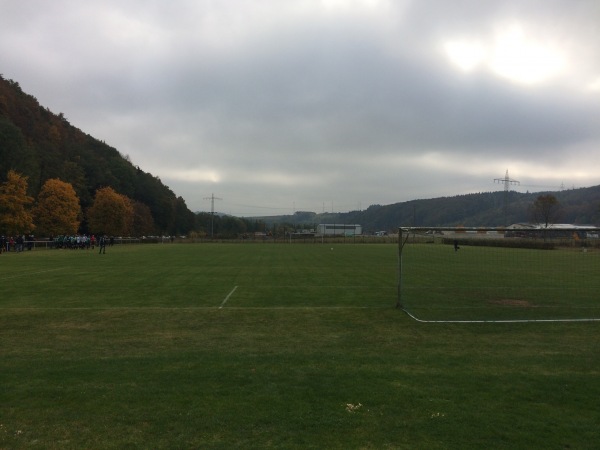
(212, 199)
(507, 183)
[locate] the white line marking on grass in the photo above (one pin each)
(182, 308)
(594, 319)
(227, 298)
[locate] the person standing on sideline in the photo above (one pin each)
(102, 244)
(20, 242)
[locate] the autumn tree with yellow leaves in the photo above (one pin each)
(15, 217)
(57, 211)
(111, 213)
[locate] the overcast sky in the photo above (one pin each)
(277, 106)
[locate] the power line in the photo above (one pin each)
(258, 207)
(344, 207)
(561, 187)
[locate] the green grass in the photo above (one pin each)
(132, 349)
(487, 283)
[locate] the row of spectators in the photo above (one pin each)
(16, 243)
(79, 241)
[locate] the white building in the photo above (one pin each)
(338, 229)
(553, 230)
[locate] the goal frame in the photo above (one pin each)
(521, 233)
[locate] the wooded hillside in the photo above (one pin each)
(42, 145)
(575, 206)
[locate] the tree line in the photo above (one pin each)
(57, 211)
(40, 146)
(64, 180)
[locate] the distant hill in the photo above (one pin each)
(41, 145)
(577, 206)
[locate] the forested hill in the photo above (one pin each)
(42, 145)
(576, 206)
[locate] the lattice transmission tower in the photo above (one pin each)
(212, 199)
(508, 182)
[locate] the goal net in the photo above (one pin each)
(489, 274)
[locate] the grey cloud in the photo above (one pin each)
(261, 93)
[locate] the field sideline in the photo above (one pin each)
(271, 346)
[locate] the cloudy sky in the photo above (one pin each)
(276, 106)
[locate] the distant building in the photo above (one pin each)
(556, 230)
(552, 226)
(338, 229)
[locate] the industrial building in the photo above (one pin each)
(338, 229)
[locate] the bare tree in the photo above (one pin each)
(545, 210)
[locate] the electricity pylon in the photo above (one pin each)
(212, 199)
(507, 183)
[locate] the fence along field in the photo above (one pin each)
(457, 277)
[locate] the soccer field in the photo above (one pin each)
(271, 346)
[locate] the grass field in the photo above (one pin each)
(272, 346)
(492, 283)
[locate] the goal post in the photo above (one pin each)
(517, 273)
